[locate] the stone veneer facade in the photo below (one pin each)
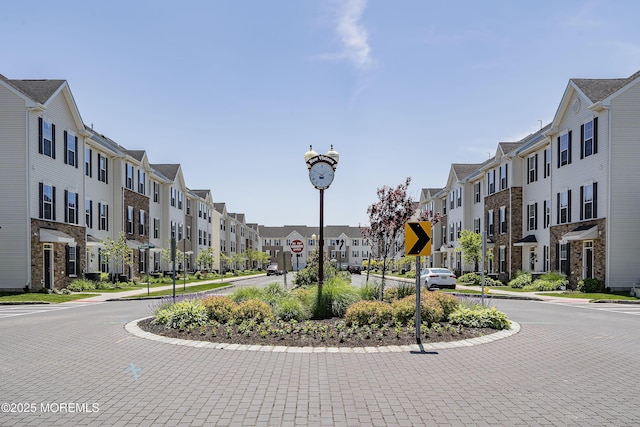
(138, 202)
(575, 251)
(60, 277)
(511, 198)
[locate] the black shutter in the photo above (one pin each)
(595, 135)
(90, 163)
(535, 216)
(64, 144)
(581, 202)
(99, 216)
(567, 265)
(53, 213)
(557, 263)
(40, 200)
(106, 211)
(40, 141)
(90, 225)
(76, 152)
(545, 162)
(558, 152)
(558, 209)
(506, 175)
(595, 200)
(106, 170)
(66, 206)
(77, 207)
(569, 159)
(581, 141)
(53, 141)
(569, 206)
(67, 261)
(536, 166)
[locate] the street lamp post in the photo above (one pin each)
(321, 173)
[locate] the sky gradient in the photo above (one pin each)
(236, 91)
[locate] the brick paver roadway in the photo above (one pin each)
(568, 365)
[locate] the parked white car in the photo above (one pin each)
(437, 278)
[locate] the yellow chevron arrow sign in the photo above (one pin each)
(417, 239)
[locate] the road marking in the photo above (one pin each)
(631, 309)
(7, 311)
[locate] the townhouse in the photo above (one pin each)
(561, 199)
(345, 245)
(52, 166)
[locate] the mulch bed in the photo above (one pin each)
(407, 336)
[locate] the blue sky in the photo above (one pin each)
(236, 91)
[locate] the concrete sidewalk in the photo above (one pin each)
(108, 296)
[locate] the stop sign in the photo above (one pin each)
(297, 246)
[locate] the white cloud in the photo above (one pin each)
(351, 34)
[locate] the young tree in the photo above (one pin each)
(225, 260)
(117, 253)
(205, 258)
(238, 259)
(165, 255)
(471, 247)
(387, 218)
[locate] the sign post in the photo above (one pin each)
(417, 243)
(297, 246)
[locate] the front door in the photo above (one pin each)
(48, 266)
(587, 259)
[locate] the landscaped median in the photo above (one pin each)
(341, 316)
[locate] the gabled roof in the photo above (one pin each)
(508, 147)
(220, 207)
(598, 89)
(201, 193)
(38, 90)
(463, 170)
(168, 170)
(136, 154)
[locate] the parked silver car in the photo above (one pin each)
(437, 278)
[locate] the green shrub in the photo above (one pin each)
(337, 296)
(104, 277)
(246, 293)
(292, 308)
(274, 292)
(371, 290)
(253, 309)
(590, 285)
(410, 274)
(219, 308)
(79, 285)
(548, 282)
(521, 280)
(448, 302)
(398, 292)
(473, 278)
(488, 281)
(404, 310)
(181, 315)
(369, 312)
(479, 317)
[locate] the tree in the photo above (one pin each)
(262, 257)
(471, 247)
(117, 252)
(387, 218)
(205, 258)
(238, 258)
(165, 255)
(225, 260)
(309, 275)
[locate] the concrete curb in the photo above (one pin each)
(133, 328)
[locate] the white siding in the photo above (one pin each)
(623, 238)
(14, 214)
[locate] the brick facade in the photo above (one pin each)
(138, 202)
(511, 198)
(60, 278)
(575, 270)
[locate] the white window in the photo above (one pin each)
(564, 149)
(71, 211)
(129, 181)
(491, 180)
(88, 161)
(451, 200)
(547, 214)
(503, 176)
(476, 225)
(143, 223)
(47, 202)
(547, 258)
(180, 199)
(156, 192)
(589, 195)
(47, 138)
(71, 149)
(142, 178)
(102, 165)
(476, 192)
(156, 228)
(503, 219)
(72, 265)
(589, 143)
(564, 207)
(532, 167)
(173, 197)
(490, 223)
(88, 209)
(459, 197)
(532, 215)
(129, 219)
(103, 210)
(547, 162)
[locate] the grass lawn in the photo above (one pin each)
(179, 290)
(502, 288)
(594, 296)
(51, 298)
(462, 291)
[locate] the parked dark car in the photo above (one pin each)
(354, 269)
